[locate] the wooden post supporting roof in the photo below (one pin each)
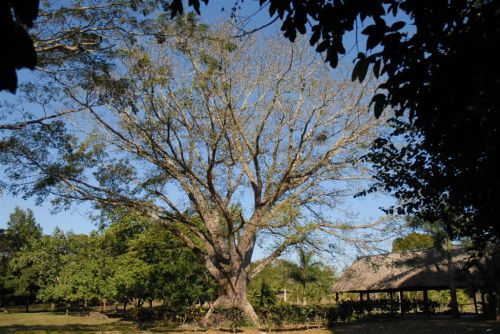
(392, 302)
(483, 303)
(426, 302)
(409, 271)
(474, 298)
(401, 310)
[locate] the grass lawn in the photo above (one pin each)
(42, 323)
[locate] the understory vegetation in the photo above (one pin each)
(134, 262)
(134, 269)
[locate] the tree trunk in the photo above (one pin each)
(451, 277)
(491, 305)
(392, 302)
(401, 306)
(483, 303)
(27, 307)
(476, 311)
(426, 303)
(498, 303)
(232, 294)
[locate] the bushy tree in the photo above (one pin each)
(21, 229)
(20, 271)
(413, 241)
(152, 264)
(131, 260)
(4, 260)
(307, 273)
(290, 276)
(22, 279)
(85, 272)
(44, 257)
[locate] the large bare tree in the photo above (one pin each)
(225, 142)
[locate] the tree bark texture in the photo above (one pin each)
(232, 294)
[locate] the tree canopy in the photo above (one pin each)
(78, 269)
(438, 63)
(413, 241)
(254, 143)
(21, 228)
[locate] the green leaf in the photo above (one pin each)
(315, 37)
(323, 46)
(196, 5)
(360, 69)
(332, 57)
(376, 68)
(397, 25)
(379, 102)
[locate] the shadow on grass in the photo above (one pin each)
(106, 328)
(412, 325)
(60, 329)
(298, 329)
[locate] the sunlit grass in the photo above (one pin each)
(57, 323)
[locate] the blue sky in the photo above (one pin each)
(77, 218)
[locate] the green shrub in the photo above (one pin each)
(233, 316)
(278, 315)
(143, 316)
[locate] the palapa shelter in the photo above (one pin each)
(407, 271)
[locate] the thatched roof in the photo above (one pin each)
(417, 270)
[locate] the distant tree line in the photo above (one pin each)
(303, 283)
(132, 261)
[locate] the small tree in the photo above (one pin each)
(131, 279)
(413, 241)
(176, 275)
(21, 229)
(307, 271)
(80, 269)
(45, 258)
(21, 275)
(22, 280)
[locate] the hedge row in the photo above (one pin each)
(279, 315)
(347, 309)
